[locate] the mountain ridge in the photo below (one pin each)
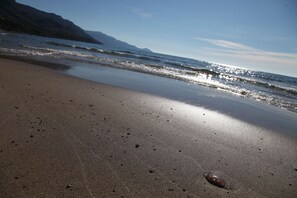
(110, 41)
(19, 18)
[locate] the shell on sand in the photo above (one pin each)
(215, 180)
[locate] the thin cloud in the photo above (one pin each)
(143, 14)
(238, 51)
(260, 56)
(225, 44)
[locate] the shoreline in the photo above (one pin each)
(253, 112)
(64, 136)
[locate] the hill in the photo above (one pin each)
(19, 18)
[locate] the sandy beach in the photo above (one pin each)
(62, 136)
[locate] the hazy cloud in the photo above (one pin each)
(141, 13)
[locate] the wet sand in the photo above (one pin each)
(62, 136)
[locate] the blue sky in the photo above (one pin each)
(255, 34)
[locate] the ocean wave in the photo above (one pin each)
(90, 49)
(275, 101)
(23, 52)
(200, 70)
(121, 53)
(267, 85)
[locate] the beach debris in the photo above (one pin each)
(215, 180)
(137, 145)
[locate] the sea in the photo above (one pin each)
(96, 62)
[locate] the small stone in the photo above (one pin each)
(137, 145)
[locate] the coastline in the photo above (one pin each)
(66, 136)
(245, 109)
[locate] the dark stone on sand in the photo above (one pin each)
(68, 186)
(137, 145)
(151, 171)
(215, 180)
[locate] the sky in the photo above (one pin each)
(254, 34)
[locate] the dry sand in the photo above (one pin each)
(65, 137)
